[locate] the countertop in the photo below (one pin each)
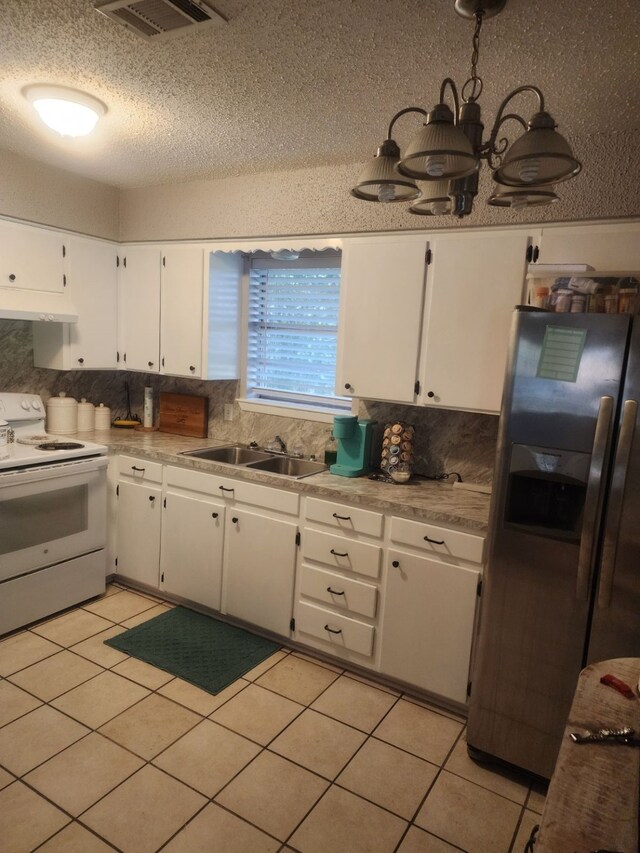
(422, 499)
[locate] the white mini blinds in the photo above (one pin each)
(292, 330)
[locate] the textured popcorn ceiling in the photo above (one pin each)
(298, 83)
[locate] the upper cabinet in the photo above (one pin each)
(381, 305)
(474, 284)
(32, 258)
(182, 277)
(139, 315)
(604, 247)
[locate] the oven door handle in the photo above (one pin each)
(22, 476)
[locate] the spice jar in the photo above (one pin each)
(563, 302)
(541, 297)
(627, 300)
(578, 303)
(611, 303)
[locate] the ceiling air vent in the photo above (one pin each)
(159, 18)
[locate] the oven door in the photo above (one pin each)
(51, 513)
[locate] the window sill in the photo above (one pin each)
(323, 415)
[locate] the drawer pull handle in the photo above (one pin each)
(214, 515)
(434, 541)
(334, 591)
(225, 489)
(333, 630)
(342, 517)
(133, 468)
(338, 553)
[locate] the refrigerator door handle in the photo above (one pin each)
(593, 500)
(614, 515)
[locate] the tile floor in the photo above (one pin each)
(99, 751)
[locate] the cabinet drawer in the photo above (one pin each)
(338, 591)
(346, 518)
(341, 553)
(345, 633)
(438, 540)
(238, 491)
(141, 470)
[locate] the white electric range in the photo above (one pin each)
(53, 507)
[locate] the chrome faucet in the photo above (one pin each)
(283, 446)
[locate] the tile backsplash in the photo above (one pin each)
(445, 441)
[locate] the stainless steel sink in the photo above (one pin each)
(288, 466)
(235, 454)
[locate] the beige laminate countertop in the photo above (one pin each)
(423, 500)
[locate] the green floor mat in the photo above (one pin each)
(197, 648)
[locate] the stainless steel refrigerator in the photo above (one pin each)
(562, 586)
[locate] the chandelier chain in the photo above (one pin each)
(476, 45)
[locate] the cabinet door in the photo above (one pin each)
(192, 539)
(182, 292)
(604, 247)
(93, 283)
(474, 285)
(428, 623)
(139, 315)
(259, 571)
(381, 304)
(31, 258)
(139, 513)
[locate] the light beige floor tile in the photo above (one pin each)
(261, 668)
(96, 650)
(5, 778)
(75, 839)
(466, 815)
(229, 692)
(419, 841)
(111, 589)
(77, 777)
(207, 757)
(422, 732)
(119, 607)
(139, 618)
(55, 675)
(215, 830)
(100, 699)
(330, 666)
(143, 812)
(26, 820)
(193, 697)
(354, 703)
(537, 797)
(257, 714)
(143, 673)
(14, 702)
(32, 739)
(344, 823)
(273, 794)
(528, 820)
(389, 777)
(318, 743)
(298, 679)
(372, 683)
(150, 726)
(72, 627)
(496, 779)
(22, 650)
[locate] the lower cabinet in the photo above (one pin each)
(139, 519)
(260, 569)
(191, 548)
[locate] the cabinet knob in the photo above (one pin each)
(235, 519)
(214, 515)
(12, 277)
(192, 368)
(431, 394)
(348, 386)
(81, 361)
(152, 498)
(150, 363)
(396, 564)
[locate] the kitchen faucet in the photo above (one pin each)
(283, 446)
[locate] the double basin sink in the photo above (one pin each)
(258, 460)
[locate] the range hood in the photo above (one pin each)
(36, 305)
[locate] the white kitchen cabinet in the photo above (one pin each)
(32, 258)
(139, 314)
(191, 548)
(474, 284)
(139, 519)
(91, 343)
(604, 247)
(181, 332)
(259, 569)
(381, 306)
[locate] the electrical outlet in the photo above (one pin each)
(227, 411)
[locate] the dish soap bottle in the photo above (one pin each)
(331, 451)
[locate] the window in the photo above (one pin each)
(292, 332)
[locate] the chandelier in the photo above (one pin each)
(447, 151)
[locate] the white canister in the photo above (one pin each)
(103, 417)
(62, 415)
(86, 416)
(148, 408)
(4, 434)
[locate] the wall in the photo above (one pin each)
(39, 193)
(317, 201)
(445, 441)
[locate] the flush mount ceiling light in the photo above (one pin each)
(67, 111)
(448, 150)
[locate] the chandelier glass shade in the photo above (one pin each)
(448, 150)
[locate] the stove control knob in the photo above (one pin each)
(24, 404)
(36, 405)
